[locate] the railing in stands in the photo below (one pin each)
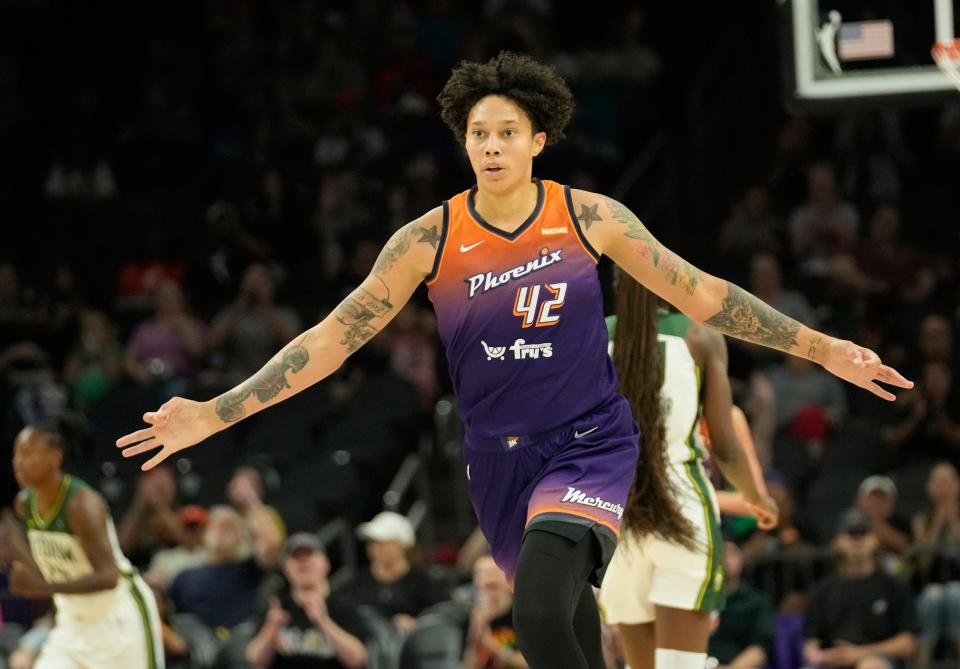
(411, 481)
(339, 531)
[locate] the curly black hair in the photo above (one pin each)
(534, 87)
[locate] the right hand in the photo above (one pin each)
(765, 510)
(179, 424)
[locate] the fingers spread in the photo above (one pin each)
(879, 392)
(134, 437)
(155, 460)
(142, 447)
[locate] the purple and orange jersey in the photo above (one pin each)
(521, 317)
(550, 444)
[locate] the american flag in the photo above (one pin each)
(866, 40)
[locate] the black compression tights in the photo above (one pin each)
(554, 610)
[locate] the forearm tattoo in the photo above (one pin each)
(744, 316)
(264, 385)
(812, 351)
(356, 312)
(677, 271)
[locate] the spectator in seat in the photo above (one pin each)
(877, 498)
(743, 638)
(250, 330)
(491, 638)
(809, 402)
(305, 624)
(825, 226)
(167, 348)
(859, 616)
(393, 586)
(95, 361)
(937, 534)
(189, 552)
(928, 424)
(245, 491)
(150, 523)
(223, 592)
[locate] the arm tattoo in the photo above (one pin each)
(357, 311)
(676, 270)
(744, 316)
(429, 236)
(393, 251)
(812, 351)
(588, 215)
(264, 385)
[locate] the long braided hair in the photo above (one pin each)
(651, 506)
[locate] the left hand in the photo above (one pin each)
(862, 367)
(27, 581)
(765, 511)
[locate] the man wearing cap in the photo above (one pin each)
(859, 616)
(392, 586)
(305, 624)
(877, 498)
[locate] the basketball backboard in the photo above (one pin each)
(854, 53)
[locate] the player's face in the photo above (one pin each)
(501, 144)
(33, 458)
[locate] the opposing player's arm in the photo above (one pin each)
(313, 355)
(13, 543)
(710, 349)
(614, 230)
(87, 515)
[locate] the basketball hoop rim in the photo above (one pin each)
(946, 50)
(947, 57)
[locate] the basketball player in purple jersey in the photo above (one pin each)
(550, 445)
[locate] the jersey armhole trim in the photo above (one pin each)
(568, 198)
(438, 260)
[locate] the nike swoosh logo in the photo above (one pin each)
(464, 249)
(577, 435)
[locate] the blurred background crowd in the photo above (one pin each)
(184, 186)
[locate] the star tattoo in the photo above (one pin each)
(429, 236)
(588, 215)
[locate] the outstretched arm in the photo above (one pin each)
(313, 355)
(614, 230)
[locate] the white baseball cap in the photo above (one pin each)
(876, 483)
(388, 526)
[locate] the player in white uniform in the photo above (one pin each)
(661, 592)
(106, 615)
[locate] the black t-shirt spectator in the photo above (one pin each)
(411, 594)
(747, 620)
(858, 610)
(309, 646)
(222, 595)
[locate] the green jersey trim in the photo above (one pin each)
(36, 520)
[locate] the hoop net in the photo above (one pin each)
(947, 55)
